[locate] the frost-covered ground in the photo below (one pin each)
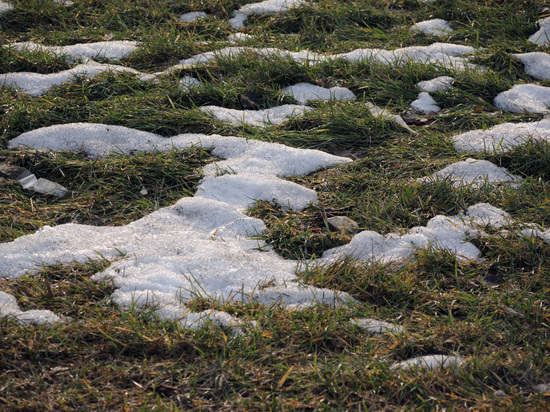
(207, 245)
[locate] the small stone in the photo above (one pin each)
(46, 187)
(342, 224)
(143, 191)
(500, 393)
(28, 181)
(14, 172)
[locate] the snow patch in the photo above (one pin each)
(542, 36)
(441, 232)
(37, 84)
(258, 118)
(536, 64)
(502, 137)
(425, 103)
(305, 92)
(434, 27)
(429, 362)
(530, 97)
(264, 7)
(193, 16)
(114, 50)
(474, 173)
(441, 83)
(9, 308)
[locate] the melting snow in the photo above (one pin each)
(193, 16)
(474, 173)
(377, 326)
(441, 83)
(435, 27)
(259, 118)
(442, 232)
(502, 137)
(9, 308)
(264, 7)
(37, 84)
(305, 92)
(429, 362)
(5, 7)
(187, 83)
(530, 97)
(542, 36)
(425, 103)
(536, 64)
(115, 50)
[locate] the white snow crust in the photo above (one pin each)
(37, 84)
(542, 36)
(115, 50)
(441, 83)
(258, 118)
(239, 37)
(193, 16)
(536, 64)
(434, 27)
(502, 137)
(305, 92)
(474, 173)
(429, 362)
(530, 97)
(441, 232)
(425, 103)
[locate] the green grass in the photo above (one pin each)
(494, 313)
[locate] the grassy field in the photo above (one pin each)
(495, 314)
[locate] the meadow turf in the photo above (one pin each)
(493, 313)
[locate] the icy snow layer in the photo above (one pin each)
(4, 7)
(264, 7)
(442, 232)
(193, 16)
(305, 92)
(502, 137)
(37, 84)
(425, 103)
(536, 64)
(9, 308)
(115, 50)
(474, 173)
(435, 27)
(259, 118)
(542, 36)
(529, 97)
(441, 83)
(429, 362)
